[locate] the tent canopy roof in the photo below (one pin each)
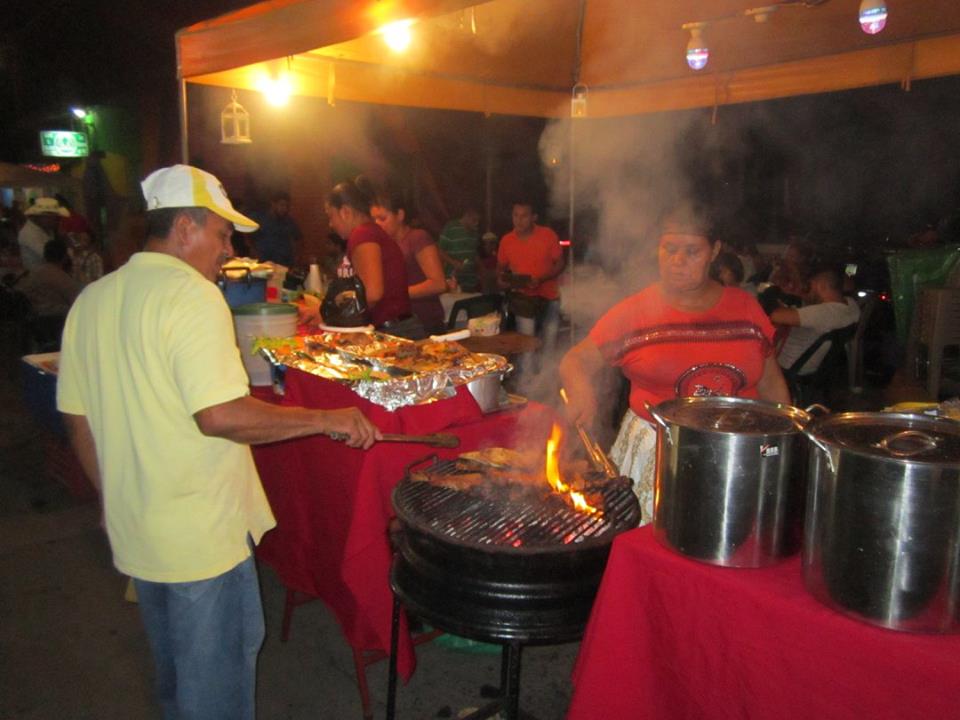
(524, 56)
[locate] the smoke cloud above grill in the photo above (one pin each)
(627, 173)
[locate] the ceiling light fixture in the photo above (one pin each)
(397, 35)
(277, 90)
(873, 16)
(760, 14)
(697, 51)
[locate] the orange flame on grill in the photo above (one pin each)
(553, 472)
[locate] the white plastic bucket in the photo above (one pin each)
(261, 320)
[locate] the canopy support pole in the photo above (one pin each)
(184, 126)
(488, 177)
(572, 215)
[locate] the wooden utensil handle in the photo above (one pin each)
(436, 439)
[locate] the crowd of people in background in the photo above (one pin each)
(524, 266)
(48, 254)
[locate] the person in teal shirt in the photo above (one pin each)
(458, 244)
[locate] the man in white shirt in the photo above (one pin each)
(828, 310)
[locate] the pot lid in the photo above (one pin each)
(891, 436)
(265, 309)
(732, 415)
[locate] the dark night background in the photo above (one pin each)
(873, 166)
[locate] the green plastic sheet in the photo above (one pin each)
(912, 270)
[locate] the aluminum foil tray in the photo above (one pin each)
(389, 371)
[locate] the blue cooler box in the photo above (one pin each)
(39, 373)
(242, 288)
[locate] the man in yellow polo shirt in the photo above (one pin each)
(156, 402)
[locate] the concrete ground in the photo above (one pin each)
(72, 648)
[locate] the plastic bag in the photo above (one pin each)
(345, 304)
(912, 270)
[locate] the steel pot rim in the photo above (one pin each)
(828, 445)
(800, 418)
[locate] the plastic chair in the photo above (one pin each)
(937, 326)
(814, 387)
(475, 307)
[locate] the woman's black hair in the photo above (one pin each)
(730, 261)
(357, 194)
(689, 220)
(394, 201)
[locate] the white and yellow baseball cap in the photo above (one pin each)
(181, 186)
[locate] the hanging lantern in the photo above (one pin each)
(234, 123)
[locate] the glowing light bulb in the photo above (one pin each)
(873, 16)
(397, 35)
(277, 90)
(79, 112)
(697, 51)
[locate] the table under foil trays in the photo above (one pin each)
(372, 370)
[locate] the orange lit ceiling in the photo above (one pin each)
(522, 58)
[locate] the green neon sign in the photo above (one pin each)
(63, 143)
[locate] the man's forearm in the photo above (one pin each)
(250, 421)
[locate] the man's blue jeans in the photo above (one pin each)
(205, 637)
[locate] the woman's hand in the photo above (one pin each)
(580, 408)
(308, 314)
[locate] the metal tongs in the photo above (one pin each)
(596, 454)
(444, 440)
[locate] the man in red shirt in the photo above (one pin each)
(528, 263)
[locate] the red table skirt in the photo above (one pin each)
(670, 637)
(332, 503)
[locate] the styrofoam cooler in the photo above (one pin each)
(256, 320)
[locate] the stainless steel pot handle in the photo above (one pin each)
(816, 441)
(924, 442)
(811, 410)
(659, 420)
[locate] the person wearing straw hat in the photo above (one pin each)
(156, 403)
(43, 217)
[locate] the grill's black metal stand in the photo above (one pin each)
(508, 702)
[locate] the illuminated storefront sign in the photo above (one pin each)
(63, 143)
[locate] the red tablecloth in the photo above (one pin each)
(332, 503)
(673, 638)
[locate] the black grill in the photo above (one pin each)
(500, 567)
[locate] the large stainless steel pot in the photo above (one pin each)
(730, 479)
(882, 535)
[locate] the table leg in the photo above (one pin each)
(392, 672)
